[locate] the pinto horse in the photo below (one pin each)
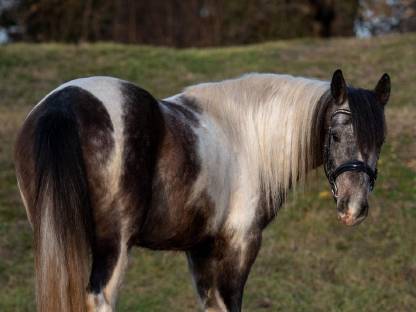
(103, 166)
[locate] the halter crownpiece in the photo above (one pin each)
(351, 165)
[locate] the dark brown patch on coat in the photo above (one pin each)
(144, 130)
(268, 208)
(190, 103)
(172, 222)
(186, 114)
(218, 264)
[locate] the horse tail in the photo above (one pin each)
(63, 218)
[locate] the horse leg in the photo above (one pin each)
(108, 266)
(220, 269)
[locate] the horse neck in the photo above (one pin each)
(274, 123)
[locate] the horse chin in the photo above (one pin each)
(349, 220)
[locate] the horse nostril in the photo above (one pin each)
(363, 211)
(342, 206)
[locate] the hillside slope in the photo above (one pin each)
(308, 262)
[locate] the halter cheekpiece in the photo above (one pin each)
(351, 165)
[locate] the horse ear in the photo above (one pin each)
(382, 89)
(338, 87)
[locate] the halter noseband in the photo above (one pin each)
(351, 165)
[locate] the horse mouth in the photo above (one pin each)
(349, 220)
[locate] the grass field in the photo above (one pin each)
(309, 261)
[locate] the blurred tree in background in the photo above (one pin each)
(183, 23)
(180, 23)
(383, 16)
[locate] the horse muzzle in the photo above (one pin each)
(352, 213)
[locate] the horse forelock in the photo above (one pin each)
(367, 119)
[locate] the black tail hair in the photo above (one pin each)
(63, 217)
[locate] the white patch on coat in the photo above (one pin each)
(220, 301)
(244, 201)
(220, 305)
(98, 303)
(216, 167)
(113, 285)
(107, 91)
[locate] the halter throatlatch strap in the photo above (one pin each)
(351, 165)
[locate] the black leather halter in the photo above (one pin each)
(351, 165)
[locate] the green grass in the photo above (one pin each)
(309, 261)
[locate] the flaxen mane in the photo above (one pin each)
(270, 120)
